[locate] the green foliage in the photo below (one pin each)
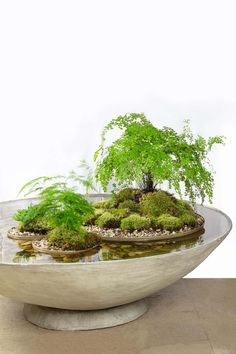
(103, 218)
(59, 206)
(28, 215)
(91, 218)
(119, 213)
(87, 179)
(61, 209)
(64, 208)
(71, 239)
(104, 204)
(32, 219)
(130, 205)
(158, 209)
(149, 156)
(125, 194)
(168, 222)
(183, 208)
(157, 203)
(189, 219)
(36, 185)
(135, 222)
(99, 212)
(40, 226)
(107, 220)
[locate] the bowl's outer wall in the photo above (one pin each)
(98, 285)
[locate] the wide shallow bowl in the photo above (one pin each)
(99, 285)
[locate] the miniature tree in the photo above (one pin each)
(149, 156)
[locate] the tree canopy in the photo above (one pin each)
(149, 156)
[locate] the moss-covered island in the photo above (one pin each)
(54, 224)
(133, 214)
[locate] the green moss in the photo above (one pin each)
(189, 219)
(70, 239)
(157, 203)
(130, 205)
(154, 222)
(39, 225)
(91, 219)
(119, 213)
(183, 207)
(99, 212)
(20, 226)
(60, 205)
(107, 220)
(135, 222)
(103, 204)
(168, 222)
(128, 194)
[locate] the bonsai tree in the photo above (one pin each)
(63, 211)
(149, 156)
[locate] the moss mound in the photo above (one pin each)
(130, 209)
(189, 219)
(39, 226)
(73, 240)
(119, 213)
(107, 221)
(103, 204)
(91, 219)
(131, 205)
(157, 203)
(128, 194)
(183, 208)
(168, 222)
(135, 222)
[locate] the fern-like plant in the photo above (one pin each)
(149, 156)
(59, 205)
(62, 210)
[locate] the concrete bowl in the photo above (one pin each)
(104, 284)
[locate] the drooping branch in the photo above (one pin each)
(148, 155)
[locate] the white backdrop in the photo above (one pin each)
(68, 67)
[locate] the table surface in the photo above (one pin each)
(192, 316)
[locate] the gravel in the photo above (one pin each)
(45, 244)
(118, 233)
(14, 232)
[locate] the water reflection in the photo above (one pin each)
(22, 251)
(23, 256)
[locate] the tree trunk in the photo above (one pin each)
(148, 183)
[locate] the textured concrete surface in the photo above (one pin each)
(57, 319)
(105, 284)
(192, 316)
(92, 286)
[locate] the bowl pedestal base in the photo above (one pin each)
(72, 320)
